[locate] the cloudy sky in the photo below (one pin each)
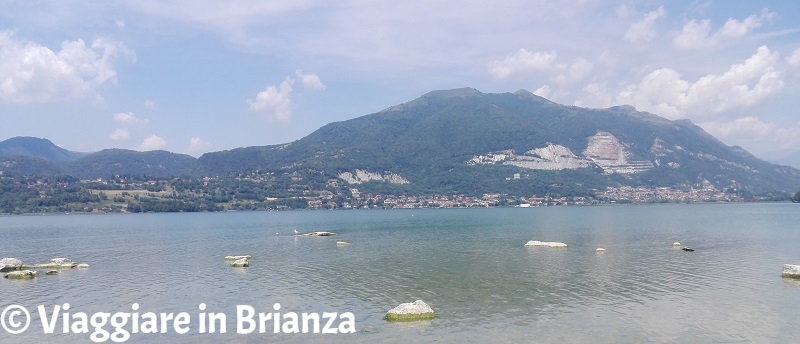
(198, 76)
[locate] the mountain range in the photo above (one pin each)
(458, 141)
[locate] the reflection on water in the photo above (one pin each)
(469, 265)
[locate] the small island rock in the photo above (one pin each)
(791, 271)
(23, 274)
(51, 272)
(545, 243)
(241, 263)
(318, 234)
(237, 257)
(676, 244)
(62, 263)
(600, 249)
(342, 243)
(417, 310)
(10, 264)
(83, 266)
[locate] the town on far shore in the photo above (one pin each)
(266, 192)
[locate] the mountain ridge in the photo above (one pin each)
(466, 141)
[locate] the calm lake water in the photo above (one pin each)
(468, 264)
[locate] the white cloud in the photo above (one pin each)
(525, 63)
(152, 143)
(198, 147)
(32, 73)
(794, 59)
(310, 81)
(697, 34)
(119, 23)
(752, 128)
(694, 35)
(643, 30)
(544, 92)
(275, 102)
(522, 62)
(574, 72)
(120, 135)
(150, 104)
(129, 119)
(129, 122)
(788, 138)
(747, 126)
(734, 28)
(666, 93)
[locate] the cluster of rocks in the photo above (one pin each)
(18, 270)
(238, 261)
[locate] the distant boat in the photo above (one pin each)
(688, 249)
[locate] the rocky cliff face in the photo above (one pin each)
(604, 150)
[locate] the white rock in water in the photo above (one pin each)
(545, 243)
(8, 264)
(316, 234)
(790, 270)
(24, 274)
(62, 262)
(237, 257)
(417, 310)
(342, 243)
(600, 249)
(676, 244)
(83, 266)
(240, 263)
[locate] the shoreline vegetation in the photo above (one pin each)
(139, 194)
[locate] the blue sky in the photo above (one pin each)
(198, 76)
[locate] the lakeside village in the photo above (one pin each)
(140, 194)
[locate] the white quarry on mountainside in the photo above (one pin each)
(612, 156)
(603, 150)
(658, 148)
(362, 176)
(551, 157)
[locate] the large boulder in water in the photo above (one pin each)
(10, 264)
(417, 310)
(23, 274)
(791, 271)
(241, 263)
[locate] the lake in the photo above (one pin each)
(469, 265)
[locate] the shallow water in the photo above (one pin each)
(468, 264)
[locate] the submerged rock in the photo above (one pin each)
(55, 263)
(545, 243)
(791, 271)
(23, 274)
(237, 257)
(317, 234)
(10, 264)
(417, 310)
(241, 263)
(51, 272)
